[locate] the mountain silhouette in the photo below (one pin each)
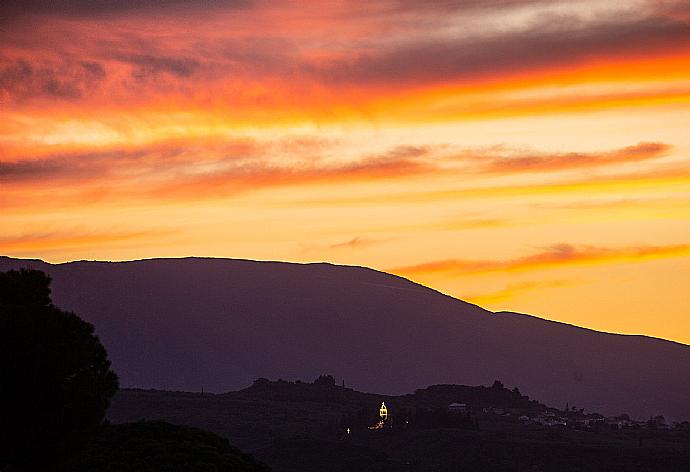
(218, 324)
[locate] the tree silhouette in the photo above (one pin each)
(55, 377)
(325, 380)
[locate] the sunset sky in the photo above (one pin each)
(524, 155)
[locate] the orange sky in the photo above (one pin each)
(526, 155)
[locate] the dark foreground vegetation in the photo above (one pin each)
(55, 387)
(158, 446)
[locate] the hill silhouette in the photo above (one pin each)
(218, 324)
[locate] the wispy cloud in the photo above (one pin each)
(560, 161)
(41, 241)
(256, 176)
(359, 242)
(511, 291)
(242, 164)
(554, 256)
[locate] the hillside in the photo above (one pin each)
(218, 324)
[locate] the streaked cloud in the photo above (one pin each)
(549, 162)
(246, 164)
(513, 290)
(52, 241)
(359, 242)
(554, 256)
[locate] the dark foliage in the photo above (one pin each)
(325, 380)
(55, 377)
(497, 395)
(322, 389)
(27, 288)
(158, 447)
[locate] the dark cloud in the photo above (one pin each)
(14, 76)
(21, 80)
(406, 152)
(99, 8)
(94, 68)
(147, 64)
(29, 170)
(262, 53)
(93, 8)
(445, 6)
(66, 166)
(65, 78)
(551, 42)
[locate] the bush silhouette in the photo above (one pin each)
(155, 446)
(55, 377)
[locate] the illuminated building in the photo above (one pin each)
(383, 413)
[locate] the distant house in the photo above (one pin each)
(457, 408)
(684, 426)
(657, 422)
(618, 422)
